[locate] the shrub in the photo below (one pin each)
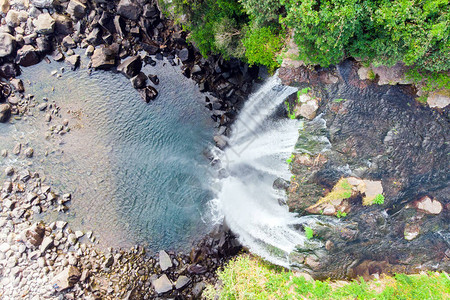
(379, 199)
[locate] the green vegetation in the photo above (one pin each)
(289, 160)
(379, 199)
(248, 277)
(338, 100)
(303, 91)
(291, 114)
(342, 190)
(341, 214)
(377, 31)
(309, 232)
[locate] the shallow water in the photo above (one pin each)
(136, 170)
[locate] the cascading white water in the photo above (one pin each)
(256, 155)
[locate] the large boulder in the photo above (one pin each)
(165, 262)
(439, 99)
(44, 24)
(129, 10)
(66, 279)
(63, 24)
(139, 81)
(27, 56)
(103, 58)
(7, 44)
(76, 9)
(130, 66)
(5, 112)
(162, 284)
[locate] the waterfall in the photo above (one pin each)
(255, 156)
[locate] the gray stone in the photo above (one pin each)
(165, 262)
(27, 56)
(103, 58)
(42, 3)
(4, 6)
(197, 290)
(182, 282)
(47, 243)
(29, 152)
(162, 284)
(148, 93)
(438, 100)
(12, 18)
(17, 148)
(68, 42)
(44, 24)
(130, 66)
(76, 9)
(42, 106)
(139, 81)
(66, 279)
(9, 171)
(74, 61)
(18, 85)
(89, 50)
(128, 9)
(7, 44)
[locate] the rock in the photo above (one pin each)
(7, 187)
(149, 93)
(74, 61)
(34, 235)
(9, 171)
(197, 290)
(89, 50)
(17, 148)
(196, 69)
(281, 184)
(79, 234)
(428, 205)
(13, 100)
(8, 70)
(185, 55)
(68, 42)
(5, 112)
(371, 189)
(44, 24)
(72, 239)
(63, 24)
(4, 153)
(103, 58)
(7, 44)
(27, 56)
(4, 6)
(12, 19)
(94, 37)
(162, 284)
(4, 247)
(42, 3)
(139, 81)
(130, 66)
(197, 269)
(438, 100)
(307, 110)
(24, 175)
(18, 85)
(76, 9)
(182, 282)
(128, 9)
(411, 231)
(221, 141)
(29, 152)
(165, 262)
(42, 106)
(154, 79)
(47, 243)
(392, 75)
(66, 279)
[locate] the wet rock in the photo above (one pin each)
(428, 205)
(44, 24)
(280, 184)
(130, 66)
(129, 10)
(162, 284)
(89, 50)
(308, 109)
(438, 100)
(165, 262)
(411, 231)
(76, 9)
(9, 70)
(7, 44)
(27, 56)
(149, 93)
(182, 282)
(154, 79)
(29, 152)
(139, 81)
(221, 141)
(66, 279)
(103, 58)
(392, 75)
(5, 112)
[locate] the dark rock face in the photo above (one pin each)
(128, 9)
(376, 133)
(139, 81)
(131, 66)
(149, 93)
(27, 56)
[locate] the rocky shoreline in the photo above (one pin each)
(45, 261)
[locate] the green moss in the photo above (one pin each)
(342, 190)
(247, 277)
(309, 232)
(379, 199)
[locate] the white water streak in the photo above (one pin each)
(255, 157)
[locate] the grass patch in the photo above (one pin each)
(247, 277)
(342, 190)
